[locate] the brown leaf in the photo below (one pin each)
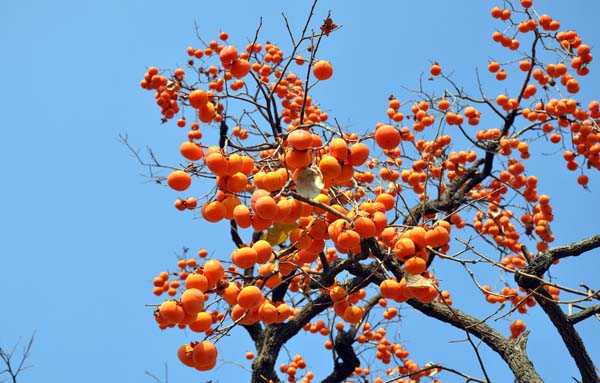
(328, 26)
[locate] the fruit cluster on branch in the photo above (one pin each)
(329, 223)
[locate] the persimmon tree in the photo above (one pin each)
(333, 231)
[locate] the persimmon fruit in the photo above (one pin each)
(322, 70)
(179, 180)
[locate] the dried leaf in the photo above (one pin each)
(431, 371)
(279, 233)
(309, 182)
(171, 85)
(418, 281)
(328, 26)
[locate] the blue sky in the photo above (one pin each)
(83, 233)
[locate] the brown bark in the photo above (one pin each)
(530, 279)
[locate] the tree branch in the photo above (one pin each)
(349, 360)
(345, 351)
(584, 314)
(509, 350)
(235, 235)
(256, 334)
(526, 279)
(7, 359)
(574, 249)
(277, 334)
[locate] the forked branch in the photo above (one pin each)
(563, 324)
(13, 367)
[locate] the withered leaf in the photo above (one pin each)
(328, 26)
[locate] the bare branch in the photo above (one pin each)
(561, 322)
(584, 314)
(156, 378)
(7, 359)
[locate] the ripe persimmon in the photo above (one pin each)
(198, 98)
(179, 180)
(260, 224)
(444, 104)
(300, 139)
(237, 182)
(239, 68)
(267, 312)
(336, 227)
(387, 200)
(191, 203)
(206, 113)
(227, 55)
(184, 353)
(216, 163)
(583, 180)
(438, 236)
(415, 265)
(283, 312)
(330, 167)
(242, 216)
(265, 207)
(247, 165)
(338, 293)
(493, 66)
(201, 323)
(214, 211)
(204, 356)
(263, 251)
(435, 69)
(387, 137)
(284, 211)
(196, 281)
(274, 279)
(250, 297)
(572, 86)
(525, 65)
(235, 163)
(389, 288)
(496, 12)
(230, 293)
(273, 181)
(365, 227)
(338, 148)
(214, 271)
(322, 70)
(192, 301)
(404, 248)
(348, 239)
(417, 235)
(244, 257)
(297, 159)
(353, 314)
(359, 153)
(244, 316)
(171, 311)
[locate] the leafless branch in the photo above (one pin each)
(584, 314)
(12, 367)
(561, 322)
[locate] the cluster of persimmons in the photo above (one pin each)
(312, 194)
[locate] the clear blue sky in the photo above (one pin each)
(83, 233)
